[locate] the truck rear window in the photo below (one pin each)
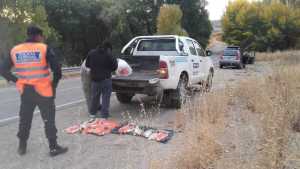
(157, 45)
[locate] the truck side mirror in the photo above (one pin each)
(208, 53)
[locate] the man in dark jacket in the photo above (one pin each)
(102, 64)
(32, 60)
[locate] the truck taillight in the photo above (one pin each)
(163, 70)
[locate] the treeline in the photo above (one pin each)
(74, 27)
(267, 25)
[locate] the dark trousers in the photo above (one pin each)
(100, 89)
(29, 100)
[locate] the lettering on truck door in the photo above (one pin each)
(201, 56)
(194, 61)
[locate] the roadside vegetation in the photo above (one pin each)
(273, 97)
(268, 25)
(200, 121)
(165, 25)
(75, 27)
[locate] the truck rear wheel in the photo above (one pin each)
(208, 84)
(181, 92)
(124, 97)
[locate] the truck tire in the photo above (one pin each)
(124, 97)
(180, 93)
(208, 83)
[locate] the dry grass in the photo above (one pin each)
(274, 98)
(291, 56)
(277, 99)
(201, 120)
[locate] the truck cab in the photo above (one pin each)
(163, 66)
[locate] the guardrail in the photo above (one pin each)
(64, 70)
(70, 69)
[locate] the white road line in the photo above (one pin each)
(36, 112)
(67, 89)
(58, 93)
(70, 103)
(63, 82)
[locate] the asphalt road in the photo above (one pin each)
(115, 151)
(69, 92)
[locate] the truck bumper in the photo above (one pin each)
(149, 87)
(229, 63)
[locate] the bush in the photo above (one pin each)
(261, 26)
(169, 21)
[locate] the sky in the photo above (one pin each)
(216, 8)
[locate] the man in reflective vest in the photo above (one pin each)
(32, 60)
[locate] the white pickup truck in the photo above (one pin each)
(163, 66)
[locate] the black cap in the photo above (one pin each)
(34, 30)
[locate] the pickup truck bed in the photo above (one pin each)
(143, 80)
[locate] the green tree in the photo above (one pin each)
(261, 26)
(195, 20)
(169, 21)
(289, 3)
(84, 24)
(15, 16)
(242, 25)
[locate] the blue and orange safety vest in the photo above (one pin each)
(32, 68)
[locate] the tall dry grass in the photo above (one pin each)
(276, 97)
(292, 56)
(201, 120)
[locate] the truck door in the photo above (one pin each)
(201, 55)
(194, 62)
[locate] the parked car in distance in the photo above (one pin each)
(232, 57)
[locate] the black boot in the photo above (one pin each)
(56, 149)
(22, 147)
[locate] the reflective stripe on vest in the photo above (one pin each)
(29, 69)
(39, 76)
